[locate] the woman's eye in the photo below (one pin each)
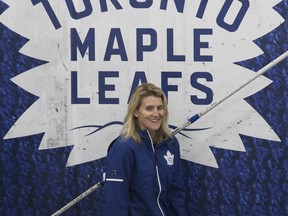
(149, 108)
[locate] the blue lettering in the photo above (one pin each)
(103, 87)
(78, 15)
(170, 48)
(164, 81)
(49, 11)
(103, 5)
(74, 91)
(141, 48)
(239, 17)
(179, 5)
(201, 9)
(198, 45)
(209, 93)
(140, 77)
(142, 4)
(89, 43)
(115, 34)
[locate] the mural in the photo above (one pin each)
(67, 70)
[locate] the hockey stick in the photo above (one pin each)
(77, 199)
(190, 121)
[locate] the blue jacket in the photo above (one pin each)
(142, 180)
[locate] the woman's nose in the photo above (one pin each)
(155, 112)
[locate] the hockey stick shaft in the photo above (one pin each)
(195, 117)
(77, 199)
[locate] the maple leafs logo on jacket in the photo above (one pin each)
(169, 158)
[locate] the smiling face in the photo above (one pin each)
(150, 114)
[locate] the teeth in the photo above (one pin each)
(155, 120)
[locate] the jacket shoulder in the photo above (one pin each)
(121, 144)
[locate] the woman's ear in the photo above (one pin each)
(135, 113)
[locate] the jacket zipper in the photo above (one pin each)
(157, 174)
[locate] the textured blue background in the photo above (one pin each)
(255, 182)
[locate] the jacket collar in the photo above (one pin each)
(145, 136)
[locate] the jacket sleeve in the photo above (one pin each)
(118, 174)
(177, 193)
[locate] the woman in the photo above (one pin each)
(143, 176)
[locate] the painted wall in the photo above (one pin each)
(66, 72)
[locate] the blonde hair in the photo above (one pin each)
(131, 124)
